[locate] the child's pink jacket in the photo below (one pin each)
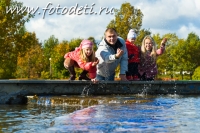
(75, 55)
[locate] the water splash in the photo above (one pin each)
(86, 90)
(89, 89)
(175, 87)
(146, 88)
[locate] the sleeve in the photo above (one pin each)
(124, 60)
(160, 51)
(105, 53)
(66, 55)
(107, 56)
(92, 73)
(85, 65)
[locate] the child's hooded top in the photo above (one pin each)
(133, 50)
(76, 56)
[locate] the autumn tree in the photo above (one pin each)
(31, 64)
(10, 37)
(57, 59)
(126, 18)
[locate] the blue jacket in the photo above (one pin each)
(107, 61)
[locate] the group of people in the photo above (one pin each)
(136, 62)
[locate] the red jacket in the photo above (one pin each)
(133, 51)
(75, 55)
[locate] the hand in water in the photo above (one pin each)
(94, 81)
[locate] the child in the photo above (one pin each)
(133, 56)
(148, 67)
(82, 57)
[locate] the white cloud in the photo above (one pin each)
(68, 27)
(160, 16)
(186, 29)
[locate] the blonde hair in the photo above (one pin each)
(144, 52)
(85, 58)
(110, 30)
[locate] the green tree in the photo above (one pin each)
(49, 45)
(191, 53)
(196, 75)
(73, 43)
(179, 61)
(48, 50)
(141, 35)
(126, 18)
(166, 62)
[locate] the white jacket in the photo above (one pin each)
(107, 62)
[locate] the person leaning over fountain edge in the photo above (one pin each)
(82, 57)
(111, 52)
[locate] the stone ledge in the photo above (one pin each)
(11, 91)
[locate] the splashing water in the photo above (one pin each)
(101, 85)
(146, 88)
(86, 89)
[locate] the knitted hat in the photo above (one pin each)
(86, 44)
(131, 34)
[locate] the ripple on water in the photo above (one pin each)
(171, 113)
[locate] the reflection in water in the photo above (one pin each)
(138, 113)
(162, 114)
(30, 117)
(86, 100)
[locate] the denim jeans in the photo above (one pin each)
(109, 78)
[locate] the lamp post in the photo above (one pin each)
(28, 67)
(50, 67)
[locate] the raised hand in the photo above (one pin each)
(95, 63)
(163, 41)
(119, 53)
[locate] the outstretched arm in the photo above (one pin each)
(162, 47)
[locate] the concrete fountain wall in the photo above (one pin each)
(15, 91)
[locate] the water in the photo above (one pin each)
(134, 113)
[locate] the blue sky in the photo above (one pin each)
(160, 16)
